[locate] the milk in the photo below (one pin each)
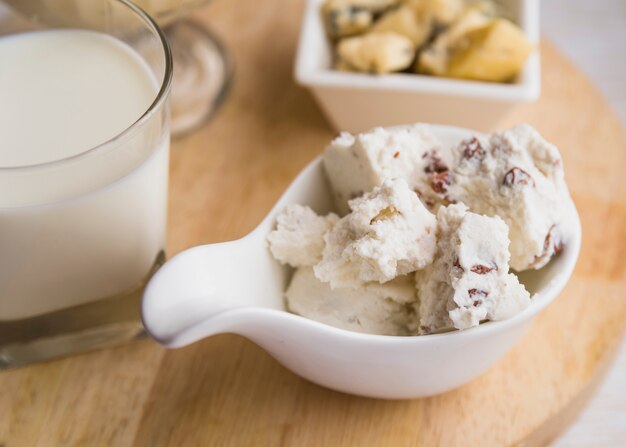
(76, 227)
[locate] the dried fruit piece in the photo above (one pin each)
(472, 149)
(552, 245)
(481, 269)
(474, 292)
(435, 163)
(440, 181)
(517, 176)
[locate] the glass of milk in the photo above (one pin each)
(203, 68)
(84, 145)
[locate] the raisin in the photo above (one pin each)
(435, 163)
(552, 245)
(481, 269)
(396, 154)
(440, 182)
(425, 329)
(472, 149)
(517, 176)
(474, 292)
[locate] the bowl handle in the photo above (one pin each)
(187, 292)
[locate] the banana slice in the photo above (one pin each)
(377, 52)
(495, 52)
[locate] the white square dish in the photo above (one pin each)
(358, 101)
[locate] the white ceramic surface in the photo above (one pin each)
(356, 102)
(237, 287)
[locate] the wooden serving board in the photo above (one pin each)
(227, 391)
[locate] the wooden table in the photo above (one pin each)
(226, 391)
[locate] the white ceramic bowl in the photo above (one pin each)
(238, 287)
(356, 102)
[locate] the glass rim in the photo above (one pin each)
(159, 99)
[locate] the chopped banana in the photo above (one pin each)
(349, 17)
(434, 59)
(383, 52)
(495, 52)
(403, 21)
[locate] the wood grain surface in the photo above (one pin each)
(227, 391)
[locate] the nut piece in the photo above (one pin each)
(385, 213)
(383, 52)
(495, 52)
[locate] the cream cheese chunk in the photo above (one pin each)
(373, 308)
(388, 233)
(518, 176)
(298, 239)
(469, 280)
(355, 164)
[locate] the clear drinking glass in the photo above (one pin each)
(203, 69)
(81, 235)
